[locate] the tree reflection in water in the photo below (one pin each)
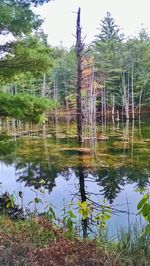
(117, 159)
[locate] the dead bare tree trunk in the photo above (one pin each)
(140, 101)
(43, 88)
(104, 101)
(113, 105)
(79, 49)
(132, 91)
(125, 95)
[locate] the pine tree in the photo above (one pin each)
(107, 47)
(109, 30)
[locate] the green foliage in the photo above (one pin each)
(11, 202)
(35, 240)
(71, 98)
(25, 107)
(63, 74)
(28, 55)
(50, 215)
(147, 229)
(17, 18)
(107, 57)
(133, 247)
(7, 147)
(114, 57)
(28, 52)
(102, 217)
(37, 200)
(144, 209)
(7, 202)
(143, 201)
(109, 30)
(69, 221)
(31, 231)
(35, 2)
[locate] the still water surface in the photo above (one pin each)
(113, 164)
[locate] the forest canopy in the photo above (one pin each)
(24, 48)
(118, 66)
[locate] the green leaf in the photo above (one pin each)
(84, 205)
(97, 217)
(108, 211)
(147, 218)
(37, 200)
(33, 182)
(42, 191)
(107, 217)
(52, 213)
(83, 209)
(79, 203)
(141, 190)
(102, 217)
(71, 214)
(140, 212)
(142, 201)
(104, 201)
(42, 182)
(8, 205)
(84, 214)
(146, 209)
(147, 229)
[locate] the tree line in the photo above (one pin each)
(115, 69)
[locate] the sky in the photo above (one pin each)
(60, 18)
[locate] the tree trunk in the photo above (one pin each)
(125, 96)
(66, 91)
(104, 99)
(113, 105)
(132, 92)
(140, 101)
(83, 198)
(79, 48)
(43, 89)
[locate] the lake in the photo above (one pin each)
(45, 162)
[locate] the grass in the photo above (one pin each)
(134, 247)
(17, 238)
(38, 242)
